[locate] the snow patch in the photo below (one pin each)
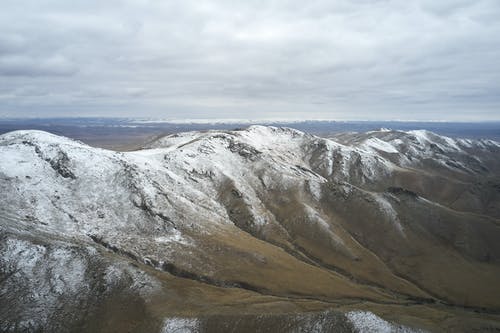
(174, 237)
(46, 273)
(23, 254)
(69, 273)
(180, 325)
(368, 322)
(422, 136)
(315, 217)
(376, 143)
(386, 207)
(315, 189)
(112, 275)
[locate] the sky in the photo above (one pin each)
(274, 59)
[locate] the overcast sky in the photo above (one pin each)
(325, 59)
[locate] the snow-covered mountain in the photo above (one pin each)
(266, 219)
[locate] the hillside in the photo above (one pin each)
(263, 225)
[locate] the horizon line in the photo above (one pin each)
(159, 120)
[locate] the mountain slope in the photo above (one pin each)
(388, 217)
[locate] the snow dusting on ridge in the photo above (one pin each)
(151, 205)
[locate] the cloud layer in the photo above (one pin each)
(342, 59)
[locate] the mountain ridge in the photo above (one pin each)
(260, 208)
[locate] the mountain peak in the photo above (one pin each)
(37, 136)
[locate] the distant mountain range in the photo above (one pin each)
(83, 128)
(263, 228)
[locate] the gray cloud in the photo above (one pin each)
(19, 65)
(251, 59)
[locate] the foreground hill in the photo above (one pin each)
(265, 226)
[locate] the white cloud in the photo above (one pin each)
(325, 59)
